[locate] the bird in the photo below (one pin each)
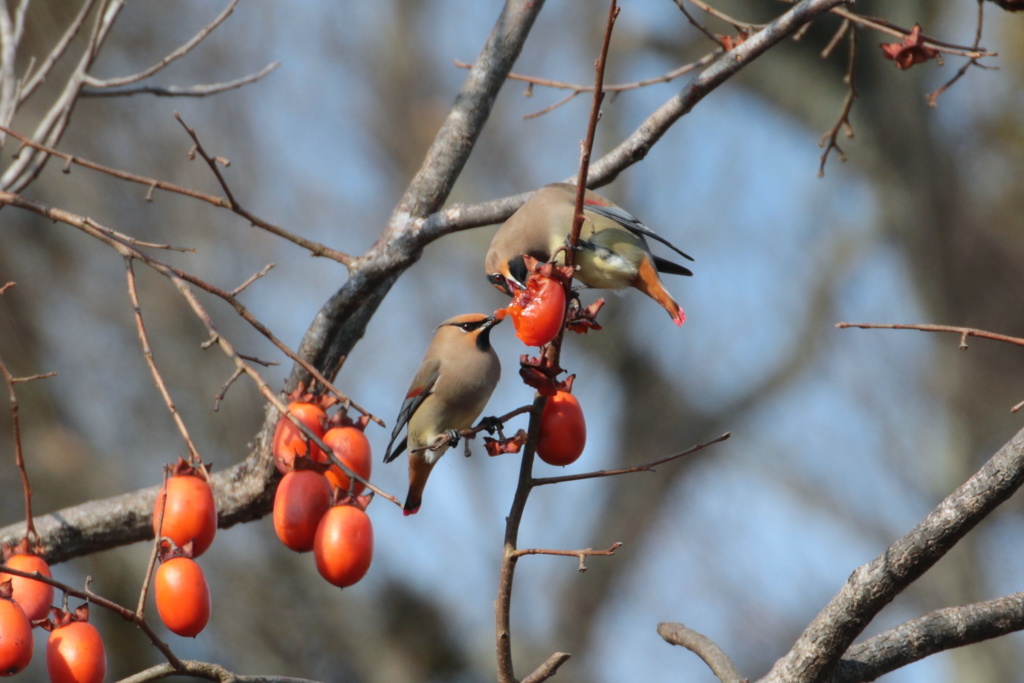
(613, 251)
(449, 391)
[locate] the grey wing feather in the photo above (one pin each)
(633, 224)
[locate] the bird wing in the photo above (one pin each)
(633, 224)
(671, 267)
(422, 385)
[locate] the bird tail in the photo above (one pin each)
(419, 470)
(647, 281)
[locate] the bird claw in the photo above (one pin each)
(491, 424)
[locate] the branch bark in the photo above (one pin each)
(934, 632)
(872, 586)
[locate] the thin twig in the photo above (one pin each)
(964, 332)
(646, 467)
(844, 116)
(548, 669)
(445, 439)
(256, 276)
(315, 248)
(171, 57)
(198, 90)
(158, 524)
(147, 353)
(582, 555)
(19, 455)
(891, 29)
(933, 97)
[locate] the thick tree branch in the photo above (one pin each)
(874, 585)
(934, 632)
(635, 147)
(341, 322)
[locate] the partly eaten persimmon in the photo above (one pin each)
(538, 311)
(289, 441)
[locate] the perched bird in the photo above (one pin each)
(449, 391)
(613, 246)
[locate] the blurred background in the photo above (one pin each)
(842, 439)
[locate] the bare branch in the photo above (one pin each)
(581, 555)
(315, 248)
(705, 648)
(548, 668)
(646, 467)
(147, 353)
(183, 50)
(964, 332)
(32, 79)
(199, 90)
(873, 585)
(934, 632)
(844, 115)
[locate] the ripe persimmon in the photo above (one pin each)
(290, 442)
(35, 597)
(302, 498)
(563, 431)
(190, 513)
(15, 635)
(182, 596)
(343, 548)
(75, 651)
(351, 446)
(538, 311)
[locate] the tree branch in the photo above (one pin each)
(875, 584)
(934, 632)
(705, 648)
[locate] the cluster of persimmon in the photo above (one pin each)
(74, 649)
(185, 522)
(539, 312)
(318, 506)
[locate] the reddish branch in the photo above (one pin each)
(964, 332)
(646, 467)
(933, 97)
(511, 554)
(147, 353)
(828, 140)
(581, 555)
(19, 455)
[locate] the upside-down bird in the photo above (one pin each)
(613, 251)
(449, 391)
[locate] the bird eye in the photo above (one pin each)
(468, 327)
